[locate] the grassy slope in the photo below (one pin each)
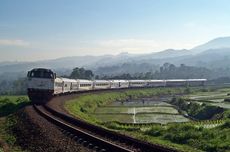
(9, 105)
(214, 139)
(84, 105)
(189, 137)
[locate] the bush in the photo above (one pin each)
(196, 110)
(155, 131)
(187, 90)
(227, 99)
(227, 114)
(226, 124)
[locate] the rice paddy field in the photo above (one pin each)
(146, 110)
(214, 97)
(152, 106)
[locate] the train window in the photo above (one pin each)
(41, 74)
(85, 85)
(58, 84)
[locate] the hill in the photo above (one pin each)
(212, 55)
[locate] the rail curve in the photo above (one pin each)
(95, 137)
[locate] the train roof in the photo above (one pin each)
(137, 80)
(101, 81)
(68, 80)
(197, 79)
(156, 80)
(118, 80)
(184, 80)
(84, 80)
(41, 69)
(176, 80)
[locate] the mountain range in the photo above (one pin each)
(213, 54)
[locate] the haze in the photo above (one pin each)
(39, 30)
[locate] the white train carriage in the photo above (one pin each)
(137, 83)
(176, 82)
(101, 84)
(68, 85)
(84, 85)
(58, 86)
(119, 84)
(74, 85)
(156, 83)
(196, 82)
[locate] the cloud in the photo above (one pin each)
(15, 42)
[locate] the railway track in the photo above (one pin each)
(94, 137)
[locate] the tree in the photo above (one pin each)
(81, 73)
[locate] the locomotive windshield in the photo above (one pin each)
(41, 73)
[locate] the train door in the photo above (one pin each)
(62, 86)
(71, 86)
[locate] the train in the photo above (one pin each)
(43, 84)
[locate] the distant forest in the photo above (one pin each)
(170, 71)
(166, 71)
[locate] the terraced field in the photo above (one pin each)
(215, 97)
(139, 111)
(131, 110)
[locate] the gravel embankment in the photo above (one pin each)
(36, 134)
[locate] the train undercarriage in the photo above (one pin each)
(40, 96)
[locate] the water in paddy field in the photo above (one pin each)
(146, 110)
(143, 102)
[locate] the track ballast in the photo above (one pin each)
(94, 137)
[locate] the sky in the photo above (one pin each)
(48, 29)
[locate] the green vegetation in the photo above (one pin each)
(81, 73)
(196, 110)
(189, 136)
(160, 118)
(214, 139)
(130, 110)
(13, 87)
(151, 114)
(215, 96)
(8, 106)
(86, 104)
(166, 71)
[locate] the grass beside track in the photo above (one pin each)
(83, 106)
(86, 104)
(8, 106)
(181, 136)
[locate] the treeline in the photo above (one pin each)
(166, 71)
(15, 87)
(80, 73)
(198, 111)
(130, 68)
